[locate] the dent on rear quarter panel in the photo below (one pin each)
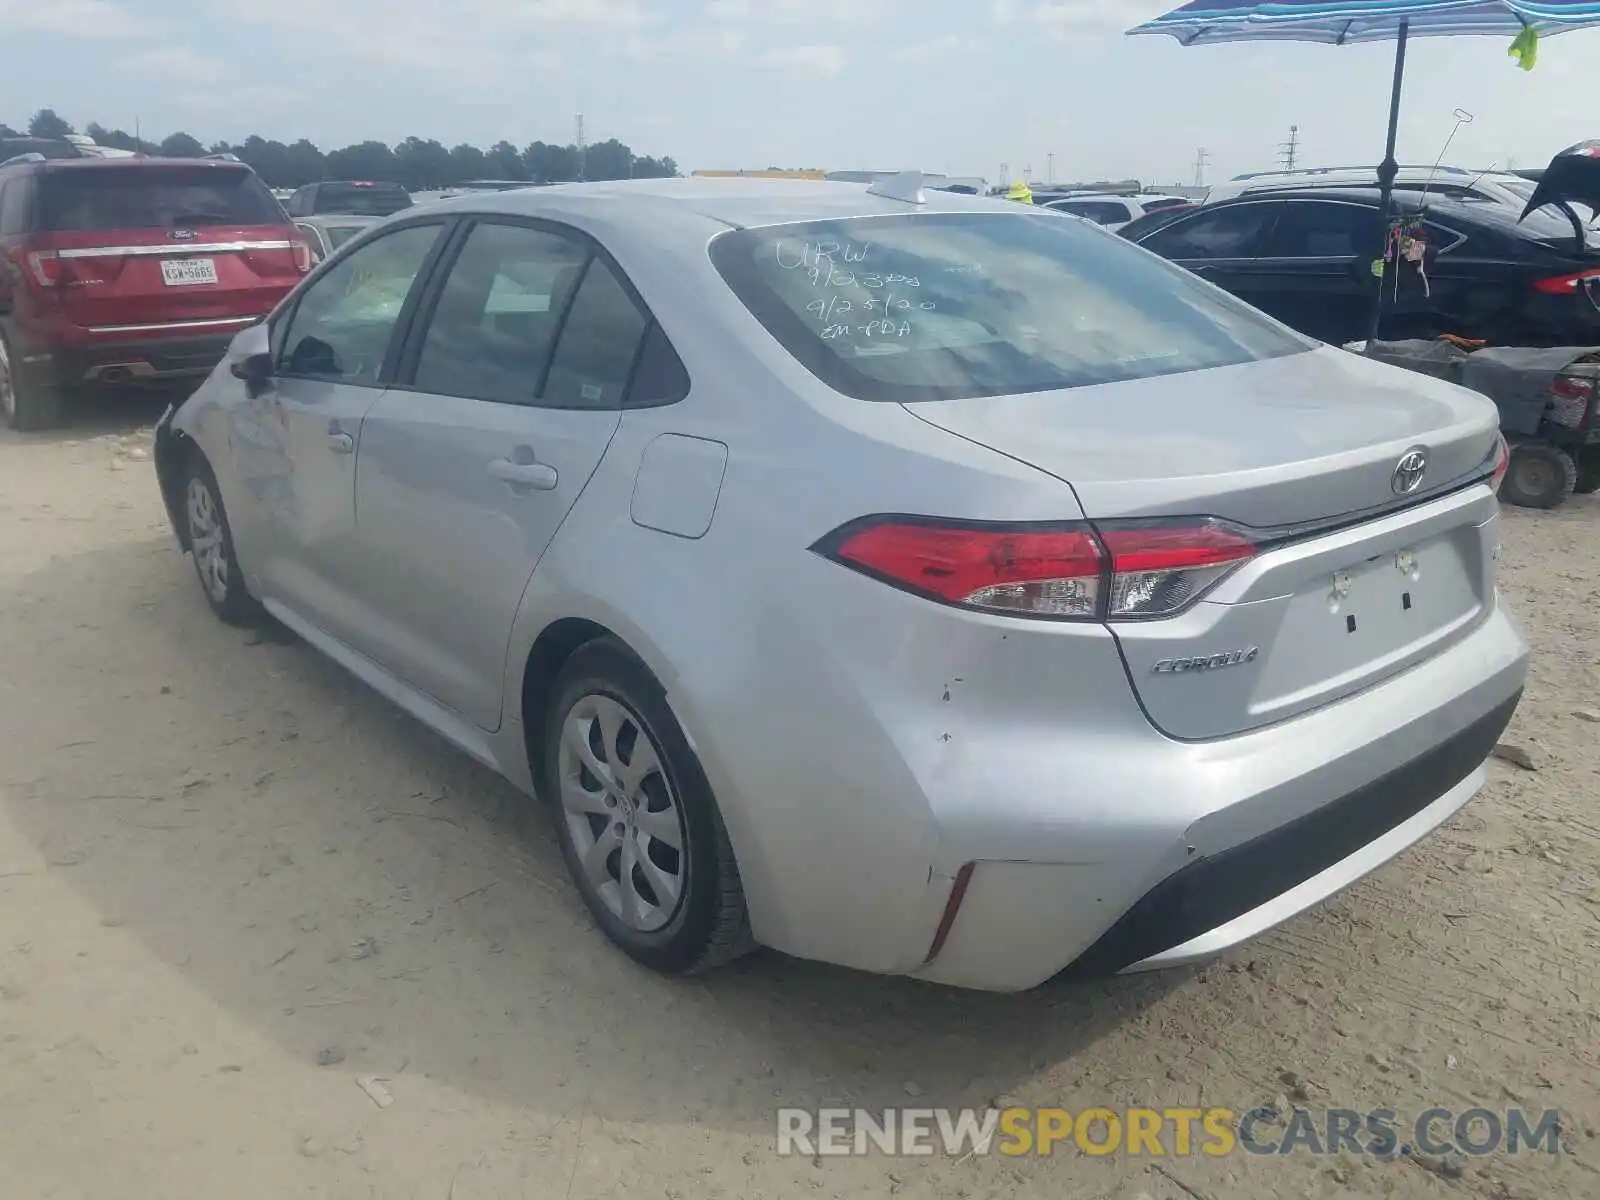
(678, 483)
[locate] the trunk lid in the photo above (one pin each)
(1348, 589)
(142, 245)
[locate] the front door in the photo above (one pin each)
(1315, 272)
(507, 396)
(306, 424)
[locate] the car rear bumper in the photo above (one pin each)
(125, 356)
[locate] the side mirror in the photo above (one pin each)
(251, 355)
(255, 368)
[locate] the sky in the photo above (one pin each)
(958, 86)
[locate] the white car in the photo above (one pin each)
(1113, 211)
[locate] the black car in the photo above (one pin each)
(1307, 258)
(356, 197)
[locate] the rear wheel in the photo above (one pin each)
(1539, 476)
(211, 546)
(639, 827)
(27, 405)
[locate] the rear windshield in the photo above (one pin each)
(952, 305)
(362, 199)
(143, 197)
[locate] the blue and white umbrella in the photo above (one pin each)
(1342, 22)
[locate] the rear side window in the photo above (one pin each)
(144, 197)
(1319, 229)
(1232, 232)
(951, 305)
(599, 342)
(362, 199)
(14, 205)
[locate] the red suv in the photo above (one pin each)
(130, 271)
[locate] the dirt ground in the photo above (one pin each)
(234, 883)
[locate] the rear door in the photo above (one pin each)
(146, 246)
(508, 394)
(1222, 245)
(1315, 269)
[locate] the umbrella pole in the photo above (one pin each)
(1388, 169)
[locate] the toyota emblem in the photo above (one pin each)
(1408, 472)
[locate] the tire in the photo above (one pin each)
(27, 406)
(1539, 476)
(210, 540)
(680, 910)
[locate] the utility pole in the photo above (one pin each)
(1005, 173)
(582, 152)
(1202, 157)
(1027, 173)
(1289, 152)
(1050, 167)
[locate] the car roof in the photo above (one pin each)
(136, 164)
(359, 220)
(731, 203)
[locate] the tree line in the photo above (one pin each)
(419, 163)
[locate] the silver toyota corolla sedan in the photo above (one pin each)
(910, 581)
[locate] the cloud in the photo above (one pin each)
(1077, 18)
(483, 36)
(807, 60)
(794, 12)
(73, 19)
(711, 42)
(946, 46)
(180, 65)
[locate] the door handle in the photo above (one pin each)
(538, 476)
(340, 442)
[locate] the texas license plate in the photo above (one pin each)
(181, 272)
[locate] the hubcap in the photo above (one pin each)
(1534, 476)
(205, 540)
(624, 818)
(8, 399)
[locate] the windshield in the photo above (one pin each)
(142, 197)
(948, 306)
(367, 200)
(338, 235)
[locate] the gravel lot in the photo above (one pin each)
(233, 883)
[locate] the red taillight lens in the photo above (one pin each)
(1158, 570)
(1046, 573)
(1566, 285)
(1502, 462)
(1569, 399)
(1122, 571)
(302, 256)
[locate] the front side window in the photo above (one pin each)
(950, 305)
(341, 327)
(496, 320)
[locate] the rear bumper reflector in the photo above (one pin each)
(952, 906)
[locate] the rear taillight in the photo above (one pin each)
(302, 256)
(1502, 462)
(1569, 399)
(1158, 569)
(1566, 285)
(44, 266)
(1118, 571)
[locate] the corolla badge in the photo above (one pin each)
(1206, 662)
(1408, 472)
